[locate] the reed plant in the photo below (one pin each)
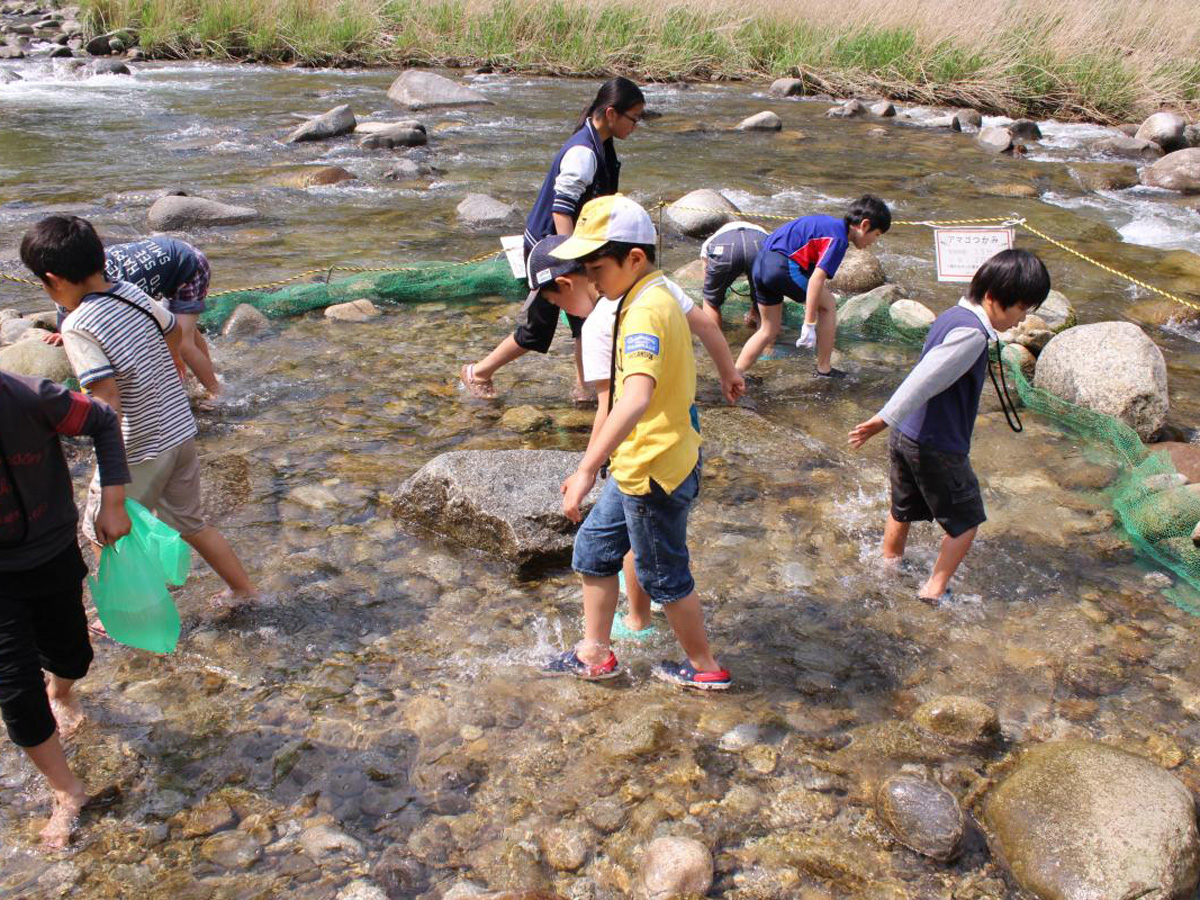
(1104, 60)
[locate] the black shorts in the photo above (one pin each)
(728, 257)
(46, 631)
(930, 485)
(775, 276)
(536, 327)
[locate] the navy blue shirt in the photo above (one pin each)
(810, 242)
(158, 265)
(605, 181)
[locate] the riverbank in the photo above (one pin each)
(1080, 60)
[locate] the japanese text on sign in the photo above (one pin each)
(514, 252)
(960, 251)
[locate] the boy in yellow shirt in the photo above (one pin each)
(653, 452)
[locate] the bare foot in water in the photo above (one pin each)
(227, 601)
(63, 819)
(68, 713)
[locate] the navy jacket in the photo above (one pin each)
(540, 222)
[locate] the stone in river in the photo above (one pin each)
(911, 316)
(1057, 312)
(110, 67)
(322, 841)
(1022, 358)
(996, 139)
(851, 109)
(419, 89)
(568, 846)
(859, 273)
(674, 867)
(884, 109)
(402, 134)
(859, 313)
(178, 213)
(1084, 821)
(208, 817)
(922, 815)
(786, 87)
(1178, 171)
(354, 311)
(525, 419)
(7, 77)
(480, 209)
(38, 360)
(1025, 130)
(961, 720)
(763, 121)
(1167, 129)
(504, 502)
(1123, 145)
(1108, 367)
(231, 850)
(1104, 176)
(337, 121)
(245, 321)
(969, 118)
(699, 213)
(409, 170)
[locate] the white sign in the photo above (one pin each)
(960, 251)
(514, 250)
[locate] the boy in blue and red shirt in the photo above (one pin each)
(796, 261)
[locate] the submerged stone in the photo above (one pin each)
(922, 815)
(505, 502)
(675, 867)
(1081, 821)
(963, 720)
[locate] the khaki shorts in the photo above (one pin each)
(168, 485)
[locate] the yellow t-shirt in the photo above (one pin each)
(653, 339)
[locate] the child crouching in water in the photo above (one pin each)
(653, 449)
(933, 414)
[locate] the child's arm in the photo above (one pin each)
(601, 409)
(864, 431)
(732, 383)
(812, 296)
(638, 389)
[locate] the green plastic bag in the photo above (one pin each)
(130, 590)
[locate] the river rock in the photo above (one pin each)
(641, 734)
(525, 419)
(911, 316)
(7, 51)
(1165, 515)
(851, 109)
(884, 109)
(1160, 311)
(1123, 145)
(1178, 171)
(481, 210)
(231, 850)
(310, 177)
(404, 134)
(859, 273)
(567, 847)
(410, 170)
(36, 359)
(180, 213)
(969, 118)
(699, 213)
(1196, 535)
(13, 329)
(1191, 135)
(323, 841)
(995, 139)
(1057, 312)
(110, 67)
(135, 54)
(62, 53)
(245, 321)
(354, 311)
(1184, 456)
(960, 720)
(1167, 129)
(1085, 821)
(7, 77)
(101, 44)
(859, 313)
(208, 817)
(922, 815)
(786, 87)
(1105, 176)
(1025, 130)
(337, 121)
(419, 89)
(1022, 358)
(1033, 334)
(505, 502)
(361, 889)
(674, 867)
(763, 121)
(1108, 367)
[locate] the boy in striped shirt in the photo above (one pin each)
(119, 342)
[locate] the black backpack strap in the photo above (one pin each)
(612, 369)
(145, 312)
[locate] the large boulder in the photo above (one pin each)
(1085, 821)
(503, 502)
(338, 121)
(418, 89)
(482, 210)
(859, 272)
(175, 213)
(675, 867)
(1111, 368)
(969, 118)
(1123, 145)
(699, 213)
(1025, 130)
(995, 139)
(1167, 129)
(911, 317)
(860, 314)
(400, 134)
(34, 358)
(763, 121)
(1178, 171)
(1057, 312)
(787, 87)
(922, 815)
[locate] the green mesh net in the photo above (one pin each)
(412, 284)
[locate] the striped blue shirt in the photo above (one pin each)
(106, 338)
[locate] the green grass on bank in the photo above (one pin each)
(1035, 58)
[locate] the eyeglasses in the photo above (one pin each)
(636, 120)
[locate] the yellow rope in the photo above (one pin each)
(19, 280)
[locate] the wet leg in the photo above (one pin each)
(687, 621)
(952, 553)
(599, 608)
(638, 616)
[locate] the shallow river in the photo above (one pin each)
(380, 715)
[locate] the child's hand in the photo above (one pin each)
(112, 522)
(864, 431)
(733, 386)
(808, 336)
(54, 339)
(574, 489)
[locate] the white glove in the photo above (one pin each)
(808, 336)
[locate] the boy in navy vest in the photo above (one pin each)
(933, 414)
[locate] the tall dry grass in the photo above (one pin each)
(1095, 59)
